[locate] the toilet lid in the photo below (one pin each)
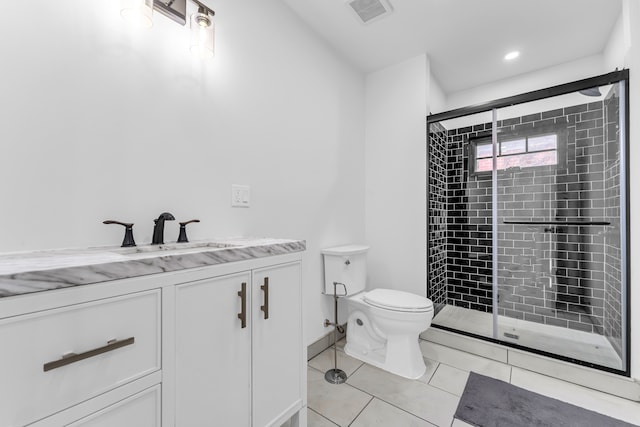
(398, 300)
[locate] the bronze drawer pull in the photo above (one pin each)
(265, 307)
(72, 358)
(243, 311)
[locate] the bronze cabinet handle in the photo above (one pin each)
(243, 311)
(73, 358)
(265, 307)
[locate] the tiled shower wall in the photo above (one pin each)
(437, 227)
(549, 274)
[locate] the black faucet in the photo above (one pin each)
(158, 228)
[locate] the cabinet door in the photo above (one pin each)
(277, 342)
(213, 352)
(140, 410)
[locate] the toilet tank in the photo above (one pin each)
(345, 264)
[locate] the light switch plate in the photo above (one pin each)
(240, 196)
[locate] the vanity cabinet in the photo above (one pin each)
(139, 410)
(54, 359)
(239, 351)
(276, 344)
(209, 345)
(213, 352)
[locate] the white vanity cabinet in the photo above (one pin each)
(239, 352)
(196, 346)
(277, 344)
(61, 357)
(139, 410)
(213, 352)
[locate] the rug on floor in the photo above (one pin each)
(487, 402)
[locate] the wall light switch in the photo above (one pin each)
(240, 196)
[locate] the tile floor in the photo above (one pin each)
(372, 397)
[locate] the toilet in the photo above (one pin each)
(383, 325)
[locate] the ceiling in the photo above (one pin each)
(466, 40)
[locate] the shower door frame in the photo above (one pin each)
(493, 106)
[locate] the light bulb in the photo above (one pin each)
(138, 13)
(202, 34)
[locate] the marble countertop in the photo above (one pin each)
(27, 272)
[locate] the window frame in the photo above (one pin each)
(505, 136)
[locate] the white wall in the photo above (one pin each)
(100, 122)
(396, 111)
(563, 73)
(437, 98)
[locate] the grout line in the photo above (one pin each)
(356, 370)
(362, 410)
(396, 406)
(317, 370)
(434, 371)
(320, 415)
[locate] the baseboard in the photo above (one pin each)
(324, 343)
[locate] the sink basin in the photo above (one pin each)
(174, 248)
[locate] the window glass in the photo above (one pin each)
(484, 150)
(545, 142)
(539, 150)
(513, 147)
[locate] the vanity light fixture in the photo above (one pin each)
(138, 13)
(511, 55)
(202, 31)
(202, 27)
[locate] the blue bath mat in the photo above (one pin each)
(487, 402)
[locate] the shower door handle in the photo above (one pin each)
(265, 307)
(243, 309)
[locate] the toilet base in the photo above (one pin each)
(400, 357)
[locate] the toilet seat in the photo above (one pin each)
(391, 299)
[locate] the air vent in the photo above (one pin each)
(370, 10)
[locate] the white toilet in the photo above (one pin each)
(383, 324)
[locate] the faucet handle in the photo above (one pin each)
(128, 232)
(182, 237)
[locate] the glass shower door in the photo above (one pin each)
(556, 168)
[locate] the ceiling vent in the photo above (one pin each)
(370, 10)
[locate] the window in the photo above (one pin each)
(523, 152)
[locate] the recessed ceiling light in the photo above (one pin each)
(511, 55)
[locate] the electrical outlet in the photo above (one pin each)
(240, 196)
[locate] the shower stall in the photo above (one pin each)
(528, 221)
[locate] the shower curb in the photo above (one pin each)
(616, 385)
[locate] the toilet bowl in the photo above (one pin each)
(383, 325)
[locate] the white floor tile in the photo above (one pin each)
(465, 361)
(381, 414)
(422, 400)
(325, 361)
(450, 379)
(432, 365)
(340, 403)
(316, 420)
(593, 400)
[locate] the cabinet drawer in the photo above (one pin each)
(140, 410)
(114, 340)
